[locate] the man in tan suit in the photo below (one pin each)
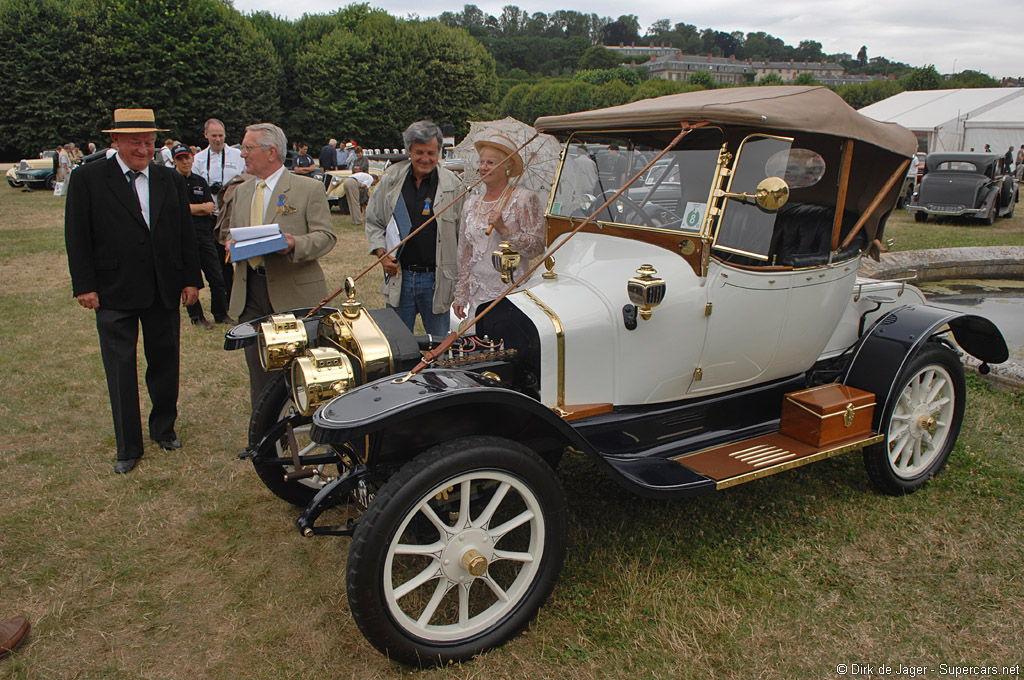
(291, 277)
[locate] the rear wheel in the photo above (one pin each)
(921, 425)
(51, 182)
(920, 217)
(457, 552)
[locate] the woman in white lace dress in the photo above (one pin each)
(515, 215)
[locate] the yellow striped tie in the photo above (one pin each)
(256, 217)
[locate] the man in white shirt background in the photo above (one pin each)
(218, 163)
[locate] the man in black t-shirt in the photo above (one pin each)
(303, 164)
(203, 209)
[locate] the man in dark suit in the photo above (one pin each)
(329, 160)
(132, 254)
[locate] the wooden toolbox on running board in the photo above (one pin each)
(827, 414)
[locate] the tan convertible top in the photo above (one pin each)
(807, 109)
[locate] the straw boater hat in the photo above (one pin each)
(135, 120)
(505, 146)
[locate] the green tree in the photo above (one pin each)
(612, 93)
(68, 63)
(972, 79)
(623, 31)
(862, 55)
(703, 80)
(597, 57)
(623, 74)
(926, 78)
(770, 79)
(658, 87)
(861, 95)
(805, 78)
(809, 50)
(659, 28)
(371, 82)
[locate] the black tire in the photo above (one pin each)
(1006, 192)
(990, 218)
(929, 396)
(452, 481)
(274, 405)
(14, 184)
(51, 182)
(920, 217)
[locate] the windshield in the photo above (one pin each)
(672, 194)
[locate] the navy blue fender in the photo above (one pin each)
(435, 406)
(898, 336)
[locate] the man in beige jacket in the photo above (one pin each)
(292, 277)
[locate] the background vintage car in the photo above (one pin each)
(336, 191)
(37, 173)
(965, 184)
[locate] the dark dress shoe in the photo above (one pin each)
(12, 634)
(169, 444)
(202, 323)
(227, 320)
(125, 466)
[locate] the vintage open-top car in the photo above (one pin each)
(37, 173)
(687, 344)
(958, 183)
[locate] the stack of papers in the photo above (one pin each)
(250, 242)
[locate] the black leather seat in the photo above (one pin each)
(803, 236)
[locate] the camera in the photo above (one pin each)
(216, 188)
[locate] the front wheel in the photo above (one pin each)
(457, 552)
(274, 405)
(920, 217)
(921, 425)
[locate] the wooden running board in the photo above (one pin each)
(750, 459)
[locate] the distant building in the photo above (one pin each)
(642, 50)
(788, 70)
(731, 71)
(680, 67)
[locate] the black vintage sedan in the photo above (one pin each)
(970, 184)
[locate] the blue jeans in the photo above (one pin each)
(418, 297)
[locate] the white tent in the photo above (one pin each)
(940, 118)
(1001, 127)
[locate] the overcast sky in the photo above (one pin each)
(983, 36)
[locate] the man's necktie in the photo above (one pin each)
(132, 175)
(256, 217)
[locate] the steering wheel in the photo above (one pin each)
(630, 209)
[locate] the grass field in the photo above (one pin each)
(190, 568)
